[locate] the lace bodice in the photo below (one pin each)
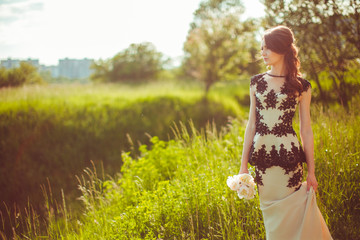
(275, 141)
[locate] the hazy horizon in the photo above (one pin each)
(52, 30)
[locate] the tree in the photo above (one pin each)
(328, 33)
(136, 63)
(25, 73)
(219, 46)
(101, 71)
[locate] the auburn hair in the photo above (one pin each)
(281, 40)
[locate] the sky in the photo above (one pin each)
(49, 30)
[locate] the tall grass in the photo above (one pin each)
(56, 131)
(338, 166)
(177, 189)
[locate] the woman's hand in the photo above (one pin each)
(311, 181)
(243, 170)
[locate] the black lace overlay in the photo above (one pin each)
(280, 129)
(258, 178)
(258, 103)
(261, 128)
(261, 86)
(287, 160)
(287, 90)
(285, 127)
(305, 84)
(288, 103)
(259, 82)
(274, 153)
(271, 99)
(254, 80)
(296, 179)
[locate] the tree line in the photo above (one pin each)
(221, 45)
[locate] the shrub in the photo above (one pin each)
(25, 73)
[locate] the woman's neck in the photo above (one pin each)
(278, 70)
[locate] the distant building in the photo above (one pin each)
(69, 68)
(14, 63)
(54, 70)
(75, 68)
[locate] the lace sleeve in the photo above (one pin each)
(306, 84)
(254, 79)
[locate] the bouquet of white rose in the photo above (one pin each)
(243, 184)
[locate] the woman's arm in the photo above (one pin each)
(307, 138)
(249, 133)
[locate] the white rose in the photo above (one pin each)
(246, 178)
(246, 191)
(244, 185)
(233, 182)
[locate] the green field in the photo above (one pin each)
(49, 134)
(174, 187)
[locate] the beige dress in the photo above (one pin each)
(289, 211)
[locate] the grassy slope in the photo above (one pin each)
(55, 131)
(177, 190)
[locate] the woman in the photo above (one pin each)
(271, 145)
